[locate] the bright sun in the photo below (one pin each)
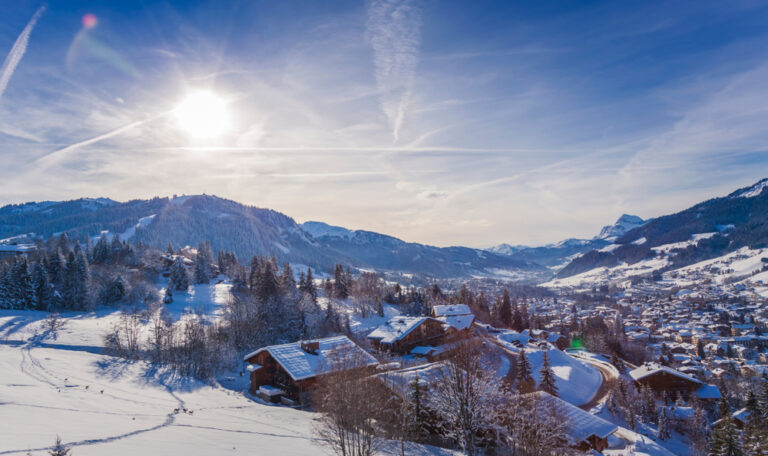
(203, 115)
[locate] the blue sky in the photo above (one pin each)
(445, 122)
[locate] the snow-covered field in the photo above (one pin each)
(62, 384)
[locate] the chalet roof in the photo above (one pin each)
(397, 328)
(458, 321)
(649, 369)
(301, 365)
(452, 309)
(708, 392)
(579, 424)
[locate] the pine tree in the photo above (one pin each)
(179, 278)
(268, 286)
(763, 398)
(287, 282)
(169, 250)
(59, 449)
(663, 432)
(42, 288)
(168, 297)
(547, 383)
(504, 314)
(201, 270)
(340, 285)
(116, 290)
(525, 382)
(725, 437)
(618, 363)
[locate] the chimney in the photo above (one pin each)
(310, 346)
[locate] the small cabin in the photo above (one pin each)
(401, 334)
(288, 372)
(664, 379)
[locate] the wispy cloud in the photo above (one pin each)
(17, 51)
(394, 29)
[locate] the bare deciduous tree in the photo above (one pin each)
(351, 404)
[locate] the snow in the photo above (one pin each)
(652, 368)
(320, 229)
(576, 380)
(753, 191)
(143, 223)
(102, 405)
(300, 364)
(454, 309)
(396, 328)
(282, 248)
(579, 424)
(640, 241)
(616, 273)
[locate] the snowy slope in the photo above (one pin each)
(576, 380)
(100, 405)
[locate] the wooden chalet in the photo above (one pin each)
(291, 370)
(401, 334)
(584, 430)
(458, 317)
(663, 379)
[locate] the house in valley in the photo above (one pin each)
(288, 372)
(401, 334)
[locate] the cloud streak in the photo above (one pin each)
(17, 51)
(394, 30)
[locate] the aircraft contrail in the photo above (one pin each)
(17, 51)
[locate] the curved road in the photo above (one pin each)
(608, 372)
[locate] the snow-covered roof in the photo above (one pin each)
(578, 423)
(653, 368)
(708, 392)
(20, 248)
(458, 321)
(741, 415)
(452, 309)
(397, 328)
(301, 364)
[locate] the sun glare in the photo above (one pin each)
(203, 115)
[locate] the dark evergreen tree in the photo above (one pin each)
(179, 278)
(525, 382)
(547, 383)
(340, 285)
(725, 439)
(43, 290)
(504, 313)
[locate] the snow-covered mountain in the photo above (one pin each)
(625, 223)
(559, 254)
(247, 230)
(707, 230)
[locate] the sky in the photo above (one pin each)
(436, 121)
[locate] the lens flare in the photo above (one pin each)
(89, 21)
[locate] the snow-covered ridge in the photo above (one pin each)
(752, 191)
(320, 229)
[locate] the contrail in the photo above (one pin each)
(394, 30)
(17, 51)
(57, 155)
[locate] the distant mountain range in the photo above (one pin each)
(704, 231)
(556, 256)
(246, 230)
